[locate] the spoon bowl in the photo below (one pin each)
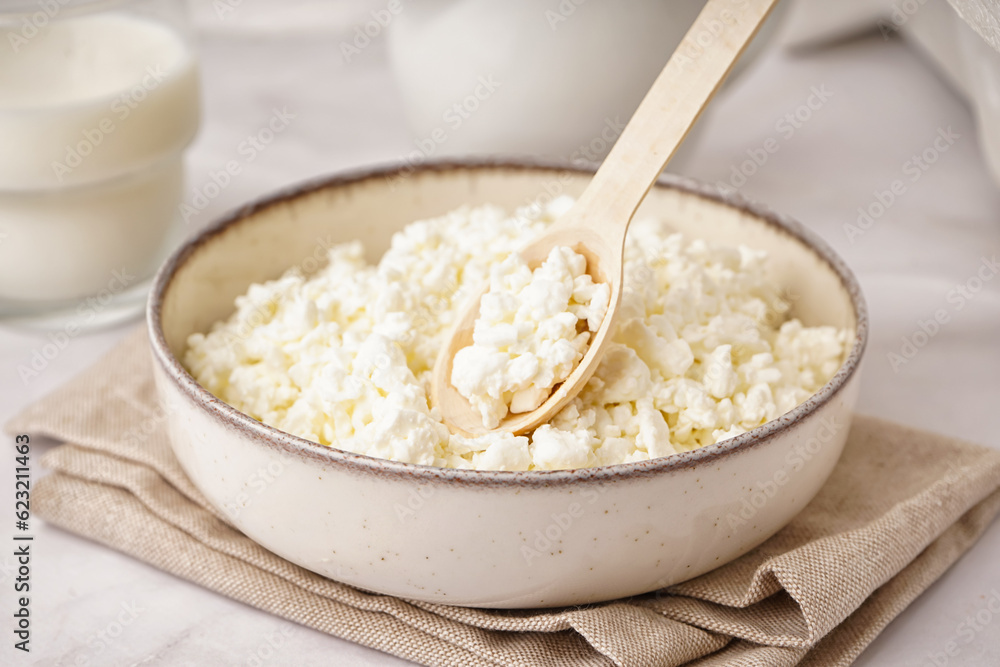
(604, 265)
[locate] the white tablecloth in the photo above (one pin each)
(882, 106)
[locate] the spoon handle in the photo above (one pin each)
(678, 96)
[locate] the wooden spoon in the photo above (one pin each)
(596, 225)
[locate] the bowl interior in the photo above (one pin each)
(261, 242)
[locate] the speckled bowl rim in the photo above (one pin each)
(309, 451)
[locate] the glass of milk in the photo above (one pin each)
(98, 100)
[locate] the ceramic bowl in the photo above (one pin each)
(477, 538)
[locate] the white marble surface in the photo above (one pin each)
(886, 105)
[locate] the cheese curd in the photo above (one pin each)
(527, 337)
(703, 349)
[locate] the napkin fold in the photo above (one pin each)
(901, 506)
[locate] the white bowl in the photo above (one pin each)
(492, 539)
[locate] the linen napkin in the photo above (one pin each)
(900, 507)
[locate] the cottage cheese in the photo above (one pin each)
(528, 335)
(703, 350)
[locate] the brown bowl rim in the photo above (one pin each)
(316, 453)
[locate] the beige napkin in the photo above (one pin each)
(900, 508)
